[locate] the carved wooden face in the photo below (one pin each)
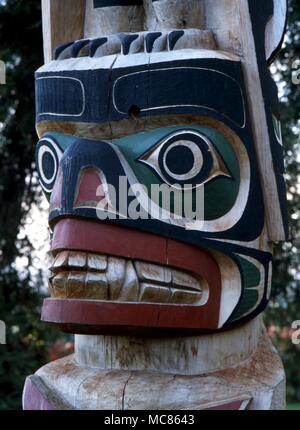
(123, 114)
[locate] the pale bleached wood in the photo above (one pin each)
(231, 286)
(221, 17)
(259, 378)
(196, 39)
(114, 19)
(190, 355)
(174, 14)
(63, 22)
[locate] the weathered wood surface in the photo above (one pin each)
(63, 21)
(176, 14)
(190, 355)
(260, 379)
(112, 19)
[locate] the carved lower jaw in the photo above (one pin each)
(90, 276)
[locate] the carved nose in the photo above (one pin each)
(88, 192)
(79, 176)
(89, 188)
(85, 169)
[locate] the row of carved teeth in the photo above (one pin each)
(78, 275)
(133, 43)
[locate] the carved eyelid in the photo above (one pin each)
(212, 164)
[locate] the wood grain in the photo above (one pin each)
(63, 21)
(259, 378)
(173, 14)
(189, 355)
(113, 19)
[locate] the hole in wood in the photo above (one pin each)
(134, 111)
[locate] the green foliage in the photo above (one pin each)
(293, 407)
(285, 306)
(27, 338)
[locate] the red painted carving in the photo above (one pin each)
(101, 317)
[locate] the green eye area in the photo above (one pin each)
(186, 157)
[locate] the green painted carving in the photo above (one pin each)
(251, 279)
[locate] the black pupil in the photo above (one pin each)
(180, 160)
(48, 165)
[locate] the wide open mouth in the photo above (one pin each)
(90, 276)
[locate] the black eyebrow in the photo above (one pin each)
(180, 89)
(212, 86)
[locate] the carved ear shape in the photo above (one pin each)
(269, 18)
(276, 28)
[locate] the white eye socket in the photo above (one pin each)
(185, 158)
(48, 155)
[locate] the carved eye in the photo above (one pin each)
(48, 155)
(185, 158)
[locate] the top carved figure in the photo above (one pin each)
(171, 95)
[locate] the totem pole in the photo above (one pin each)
(166, 310)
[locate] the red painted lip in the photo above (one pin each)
(102, 238)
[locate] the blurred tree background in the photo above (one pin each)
(29, 342)
(285, 304)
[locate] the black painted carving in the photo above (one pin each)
(95, 44)
(77, 47)
(173, 38)
(150, 39)
(127, 40)
(187, 86)
(60, 49)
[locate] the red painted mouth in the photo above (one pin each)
(100, 316)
